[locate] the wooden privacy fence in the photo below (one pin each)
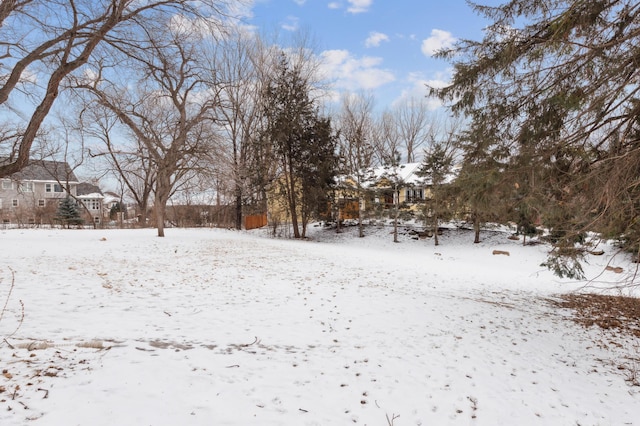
(255, 221)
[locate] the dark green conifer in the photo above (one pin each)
(68, 213)
(553, 95)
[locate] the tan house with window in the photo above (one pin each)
(386, 187)
(31, 196)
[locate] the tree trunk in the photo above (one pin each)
(396, 196)
(360, 225)
(304, 220)
(291, 196)
(142, 219)
(160, 212)
(435, 219)
(163, 189)
(476, 228)
(238, 206)
(294, 218)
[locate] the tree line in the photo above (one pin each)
(175, 97)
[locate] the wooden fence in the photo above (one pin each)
(255, 221)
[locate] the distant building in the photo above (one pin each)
(115, 209)
(31, 196)
(111, 200)
(90, 199)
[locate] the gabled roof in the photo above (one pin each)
(111, 197)
(88, 189)
(45, 170)
(407, 173)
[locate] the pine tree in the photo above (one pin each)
(552, 92)
(480, 183)
(303, 145)
(68, 213)
(318, 165)
(115, 209)
(436, 166)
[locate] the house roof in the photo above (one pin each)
(111, 197)
(407, 173)
(89, 190)
(45, 170)
(91, 196)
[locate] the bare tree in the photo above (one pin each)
(414, 126)
(54, 39)
(64, 145)
(356, 149)
(385, 138)
(124, 158)
(171, 111)
(394, 178)
(239, 59)
(7, 7)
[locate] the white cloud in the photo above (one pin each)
(439, 40)
(27, 76)
(334, 5)
(375, 38)
(232, 17)
(359, 6)
(240, 9)
(419, 86)
(291, 24)
(353, 74)
(300, 2)
(89, 76)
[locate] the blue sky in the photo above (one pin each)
(382, 46)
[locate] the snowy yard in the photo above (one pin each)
(215, 327)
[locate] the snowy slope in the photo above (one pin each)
(214, 327)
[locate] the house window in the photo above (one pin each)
(6, 184)
(96, 219)
(40, 203)
(53, 187)
(14, 203)
(26, 186)
(414, 194)
(94, 205)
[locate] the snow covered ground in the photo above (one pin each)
(216, 327)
